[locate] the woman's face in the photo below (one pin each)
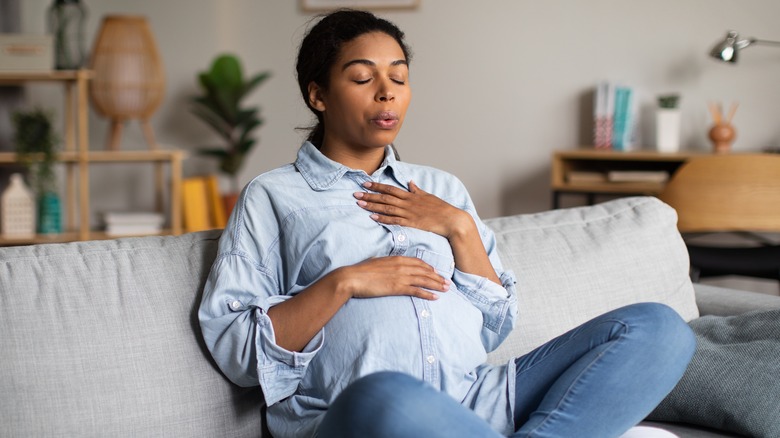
(366, 101)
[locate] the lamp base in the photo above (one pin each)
(115, 135)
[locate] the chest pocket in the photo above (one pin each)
(443, 264)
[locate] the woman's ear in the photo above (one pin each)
(315, 97)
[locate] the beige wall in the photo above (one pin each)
(498, 84)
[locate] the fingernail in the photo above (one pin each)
(362, 203)
(367, 184)
(374, 216)
(434, 297)
(358, 194)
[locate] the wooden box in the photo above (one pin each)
(26, 52)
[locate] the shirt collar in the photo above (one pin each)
(321, 173)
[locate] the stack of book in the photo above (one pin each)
(133, 223)
(615, 112)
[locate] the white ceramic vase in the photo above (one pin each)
(667, 129)
(17, 208)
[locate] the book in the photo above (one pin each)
(624, 132)
(603, 115)
(201, 204)
(133, 223)
(652, 176)
(585, 177)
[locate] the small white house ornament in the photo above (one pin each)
(17, 209)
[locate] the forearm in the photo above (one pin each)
(297, 320)
(469, 251)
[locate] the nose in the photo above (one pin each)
(384, 94)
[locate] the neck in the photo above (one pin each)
(365, 159)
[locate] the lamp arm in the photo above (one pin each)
(764, 42)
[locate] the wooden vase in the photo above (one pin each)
(722, 135)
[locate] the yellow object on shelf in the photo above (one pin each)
(202, 204)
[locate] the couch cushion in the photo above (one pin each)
(574, 264)
(101, 339)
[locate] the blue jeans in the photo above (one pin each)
(597, 380)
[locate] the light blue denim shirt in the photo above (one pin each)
(295, 224)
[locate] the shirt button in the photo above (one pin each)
(235, 305)
(401, 237)
(425, 313)
(430, 359)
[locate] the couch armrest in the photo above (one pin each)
(720, 301)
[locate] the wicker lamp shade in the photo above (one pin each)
(129, 82)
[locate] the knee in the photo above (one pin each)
(373, 405)
(377, 389)
(665, 330)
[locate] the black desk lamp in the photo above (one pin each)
(728, 49)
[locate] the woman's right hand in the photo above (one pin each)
(393, 275)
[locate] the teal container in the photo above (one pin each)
(49, 214)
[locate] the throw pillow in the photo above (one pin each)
(732, 382)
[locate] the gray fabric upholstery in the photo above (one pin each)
(713, 300)
(101, 339)
(605, 256)
(731, 383)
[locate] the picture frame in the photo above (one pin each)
(325, 5)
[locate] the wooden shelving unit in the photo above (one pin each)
(77, 159)
(566, 163)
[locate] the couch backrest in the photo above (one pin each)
(574, 264)
(101, 339)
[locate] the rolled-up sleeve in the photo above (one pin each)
(498, 303)
(239, 334)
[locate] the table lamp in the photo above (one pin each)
(129, 82)
(728, 49)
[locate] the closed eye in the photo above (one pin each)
(365, 81)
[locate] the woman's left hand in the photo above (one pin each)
(415, 208)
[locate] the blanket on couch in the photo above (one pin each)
(732, 382)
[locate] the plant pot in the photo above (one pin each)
(49, 213)
(667, 129)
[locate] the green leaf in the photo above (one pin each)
(254, 82)
(213, 151)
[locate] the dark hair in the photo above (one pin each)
(321, 46)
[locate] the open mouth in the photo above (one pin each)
(386, 120)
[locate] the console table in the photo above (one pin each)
(586, 172)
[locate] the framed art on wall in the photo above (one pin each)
(324, 5)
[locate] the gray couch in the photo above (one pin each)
(101, 338)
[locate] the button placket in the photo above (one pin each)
(427, 342)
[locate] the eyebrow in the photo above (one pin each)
(371, 63)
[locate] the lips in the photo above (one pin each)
(385, 120)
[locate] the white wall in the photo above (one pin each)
(498, 84)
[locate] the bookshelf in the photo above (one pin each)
(77, 159)
(585, 172)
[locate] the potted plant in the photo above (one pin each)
(220, 106)
(667, 123)
(36, 143)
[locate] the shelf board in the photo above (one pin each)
(105, 156)
(637, 155)
(14, 77)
